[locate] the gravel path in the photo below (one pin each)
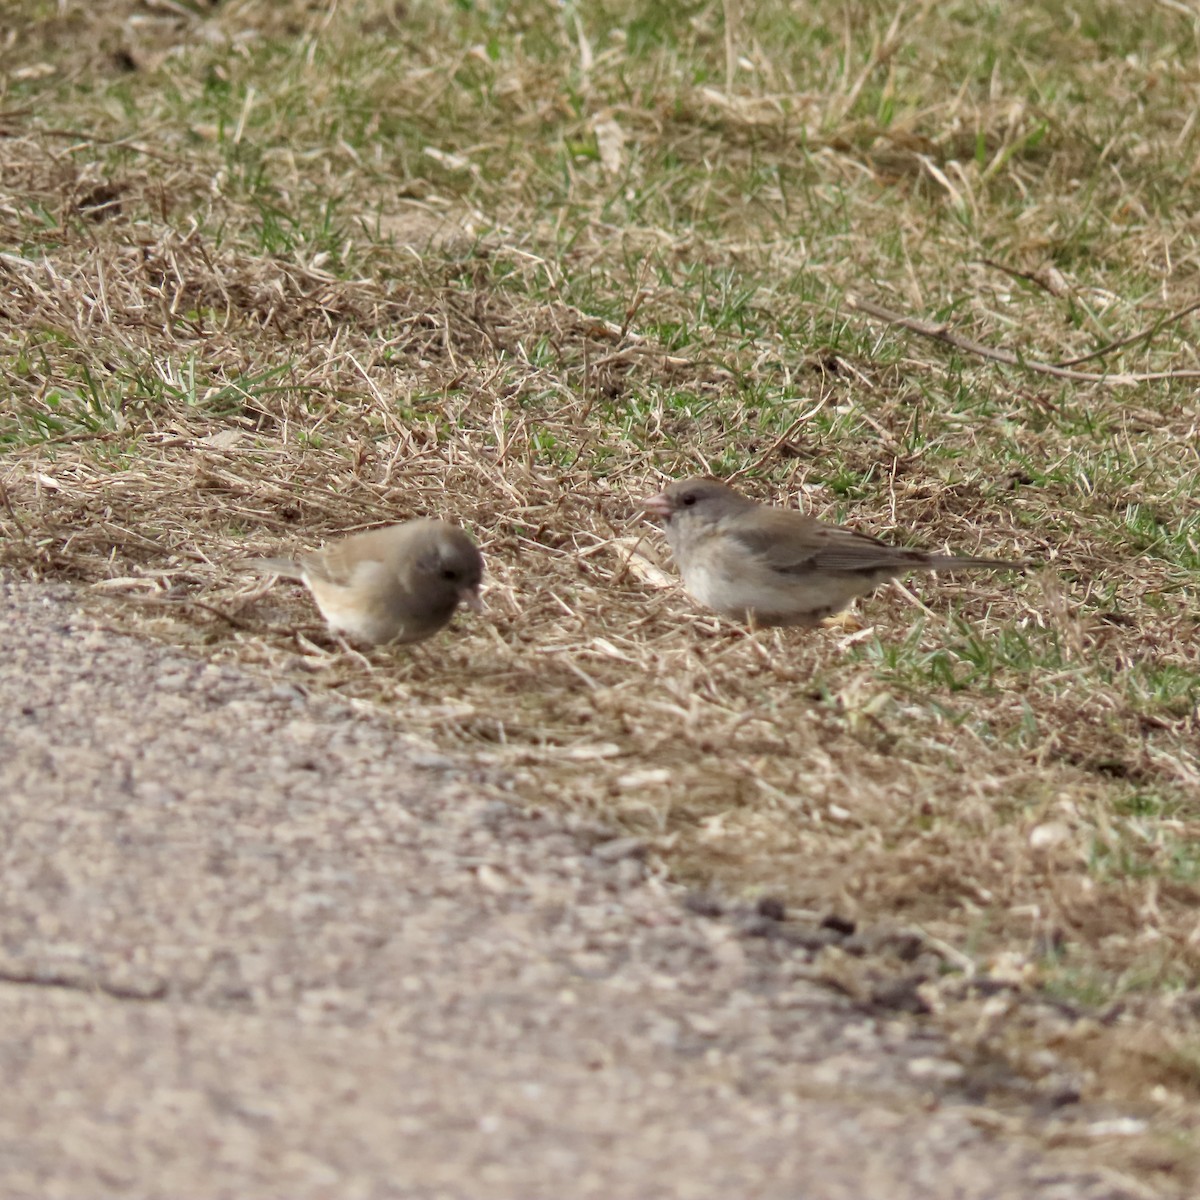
(257, 944)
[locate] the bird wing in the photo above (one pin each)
(343, 561)
(793, 544)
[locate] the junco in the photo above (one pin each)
(400, 583)
(776, 566)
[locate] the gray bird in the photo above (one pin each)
(401, 583)
(775, 566)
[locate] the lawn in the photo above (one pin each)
(271, 272)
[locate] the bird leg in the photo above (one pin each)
(348, 649)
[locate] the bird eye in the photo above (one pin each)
(688, 499)
(450, 575)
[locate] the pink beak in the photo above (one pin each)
(471, 598)
(659, 505)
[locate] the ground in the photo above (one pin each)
(260, 943)
(272, 273)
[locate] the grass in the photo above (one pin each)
(275, 272)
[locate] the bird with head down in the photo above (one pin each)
(401, 583)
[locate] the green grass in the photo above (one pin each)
(384, 248)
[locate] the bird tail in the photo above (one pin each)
(951, 562)
(288, 568)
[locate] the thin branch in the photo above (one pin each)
(1108, 348)
(943, 333)
(1012, 272)
(1182, 9)
(90, 139)
(186, 602)
(1144, 335)
(6, 500)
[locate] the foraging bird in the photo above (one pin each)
(400, 583)
(775, 566)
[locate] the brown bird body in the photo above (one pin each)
(401, 583)
(775, 566)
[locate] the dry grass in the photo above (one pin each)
(271, 277)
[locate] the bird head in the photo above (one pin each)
(703, 499)
(453, 562)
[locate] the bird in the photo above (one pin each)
(401, 583)
(769, 566)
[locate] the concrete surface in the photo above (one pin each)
(257, 944)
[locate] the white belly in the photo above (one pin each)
(724, 575)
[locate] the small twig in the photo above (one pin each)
(447, 339)
(1013, 273)
(1108, 348)
(626, 354)
(783, 438)
(914, 599)
(950, 953)
(182, 602)
(590, 395)
(90, 139)
(48, 977)
(349, 650)
(732, 16)
(1182, 9)
(6, 500)
(943, 333)
(1144, 335)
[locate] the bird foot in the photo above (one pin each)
(842, 622)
